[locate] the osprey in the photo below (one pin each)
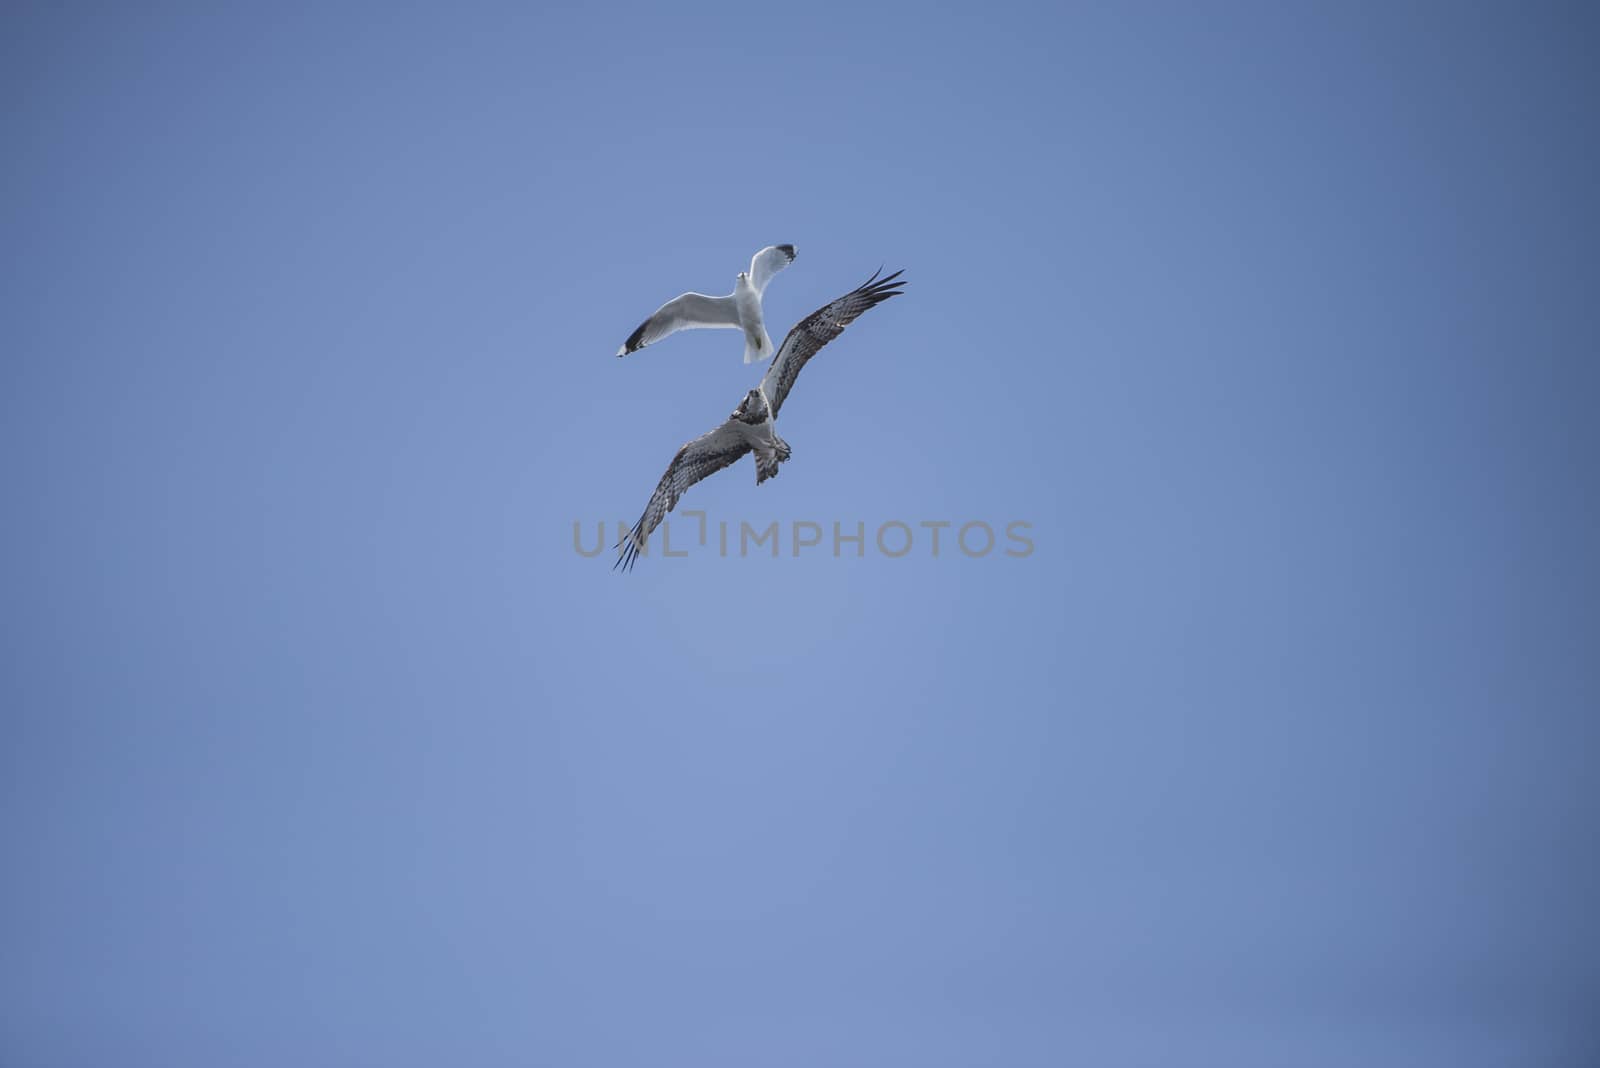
(750, 427)
(739, 310)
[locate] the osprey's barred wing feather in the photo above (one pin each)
(700, 458)
(819, 328)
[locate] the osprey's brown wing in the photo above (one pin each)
(819, 328)
(700, 458)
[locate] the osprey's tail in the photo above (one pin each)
(767, 460)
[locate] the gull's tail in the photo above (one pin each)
(756, 353)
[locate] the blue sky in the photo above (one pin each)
(322, 746)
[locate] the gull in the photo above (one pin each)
(751, 426)
(739, 310)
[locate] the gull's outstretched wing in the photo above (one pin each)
(768, 262)
(700, 458)
(819, 328)
(688, 312)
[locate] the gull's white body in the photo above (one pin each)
(747, 304)
(739, 310)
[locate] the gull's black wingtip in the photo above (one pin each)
(634, 342)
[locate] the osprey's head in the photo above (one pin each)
(752, 409)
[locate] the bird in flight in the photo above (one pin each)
(739, 310)
(750, 427)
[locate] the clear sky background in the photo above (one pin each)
(322, 746)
